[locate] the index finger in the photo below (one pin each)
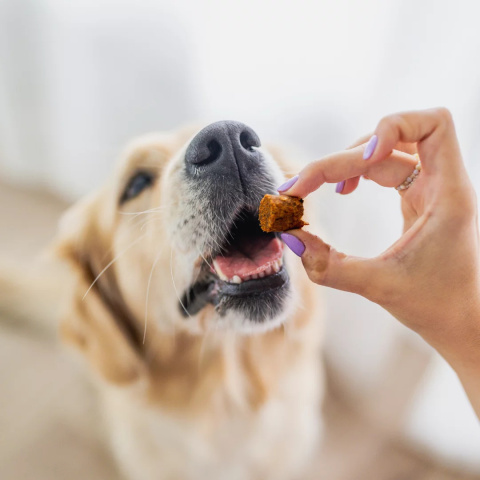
(406, 147)
(344, 165)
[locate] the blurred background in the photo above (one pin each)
(79, 79)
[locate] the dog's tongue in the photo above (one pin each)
(249, 258)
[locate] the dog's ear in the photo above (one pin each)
(96, 320)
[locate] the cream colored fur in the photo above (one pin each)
(197, 398)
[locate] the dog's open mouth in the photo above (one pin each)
(247, 268)
(249, 253)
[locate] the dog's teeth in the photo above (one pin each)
(221, 275)
(254, 276)
(269, 270)
(236, 279)
(261, 274)
(247, 277)
(276, 266)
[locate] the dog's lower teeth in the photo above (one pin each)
(270, 270)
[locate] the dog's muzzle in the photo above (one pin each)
(244, 270)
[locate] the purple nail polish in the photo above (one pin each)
(288, 184)
(293, 243)
(339, 187)
(370, 147)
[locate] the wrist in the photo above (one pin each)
(459, 344)
(465, 360)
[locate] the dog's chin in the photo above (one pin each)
(259, 301)
(258, 311)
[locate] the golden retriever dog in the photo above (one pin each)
(203, 331)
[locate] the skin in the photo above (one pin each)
(429, 279)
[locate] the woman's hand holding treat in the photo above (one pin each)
(430, 278)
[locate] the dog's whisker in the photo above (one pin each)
(150, 210)
(215, 241)
(152, 351)
(148, 293)
(221, 220)
(224, 235)
(174, 285)
(151, 220)
(226, 228)
(109, 264)
(204, 259)
(195, 276)
(123, 231)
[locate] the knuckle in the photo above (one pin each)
(394, 121)
(315, 276)
(316, 261)
(387, 122)
(444, 115)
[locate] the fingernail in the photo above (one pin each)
(288, 184)
(370, 147)
(339, 187)
(293, 243)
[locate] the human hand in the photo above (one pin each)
(429, 278)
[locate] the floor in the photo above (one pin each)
(47, 410)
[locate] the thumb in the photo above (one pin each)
(326, 266)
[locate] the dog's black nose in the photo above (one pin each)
(223, 148)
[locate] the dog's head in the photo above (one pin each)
(173, 241)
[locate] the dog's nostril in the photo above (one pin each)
(214, 150)
(205, 153)
(248, 140)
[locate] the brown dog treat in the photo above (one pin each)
(279, 213)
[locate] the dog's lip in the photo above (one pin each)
(211, 290)
(254, 286)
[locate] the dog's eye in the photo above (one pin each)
(136, 185)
